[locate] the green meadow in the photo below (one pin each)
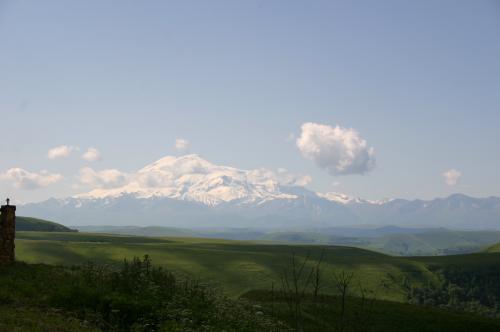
(242, 270)
(234, 266)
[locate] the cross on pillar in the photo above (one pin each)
(8, 201)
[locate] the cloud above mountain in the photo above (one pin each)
(92, 154)
(338, 150)
(23, 179)
(452, 177)
(61, 151)
(181, 144)
(284, 177)
(108, 178)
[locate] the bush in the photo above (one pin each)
(135, 296)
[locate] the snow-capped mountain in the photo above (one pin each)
(346, 199)
(191, 178)
(189, 191)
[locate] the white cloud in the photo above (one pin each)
(92, 154)
(154, 179)
(303, 181)
(341, 151)
(282, 176)
(108, 178)
(24, 179)
(452, 176)
(181, 144)
(61, 151)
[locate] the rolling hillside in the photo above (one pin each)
(123, 301)
(493, 249)
(389, 240)
(250, 269)
(237, 266)
(39, 225)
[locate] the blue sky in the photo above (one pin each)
(418, 80)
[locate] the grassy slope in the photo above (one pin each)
(39, 225)
(467, 262)
(238, 266)
(27, 307)
(424, 242)
(155, 231)
(15, 318)
(381, 316)
(494, 248)
(435, 242)
(241, 265)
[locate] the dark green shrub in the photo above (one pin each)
(135, 296)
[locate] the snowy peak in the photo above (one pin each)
(346, 199)
(191, 163)
(193, 178)
(337, 197)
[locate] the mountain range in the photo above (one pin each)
(189, 191)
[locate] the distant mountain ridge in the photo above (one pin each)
(189, 191)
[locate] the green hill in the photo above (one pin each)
(241, 266)
(39, 225)
(154, 231)
(388, 240)
(135, 296)
(428, 242)
(492, 249)
(236, 266)
(435, 242)
(250, 270)
(373, 316)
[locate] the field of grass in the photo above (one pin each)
(131, 296)
(236, 266)
(493, 248)
(377, 316)
(20, 319)
(389, 240)
(249, 269)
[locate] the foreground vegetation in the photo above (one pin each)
(468, 283)
(135, 296)
(325, 314)
(19, 318)
(187, 289)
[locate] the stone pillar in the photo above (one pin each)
(7, 233)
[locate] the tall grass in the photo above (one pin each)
(135, 296)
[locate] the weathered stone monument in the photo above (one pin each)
(7, 233)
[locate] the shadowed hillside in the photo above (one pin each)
(40, 225)
(236, 266)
